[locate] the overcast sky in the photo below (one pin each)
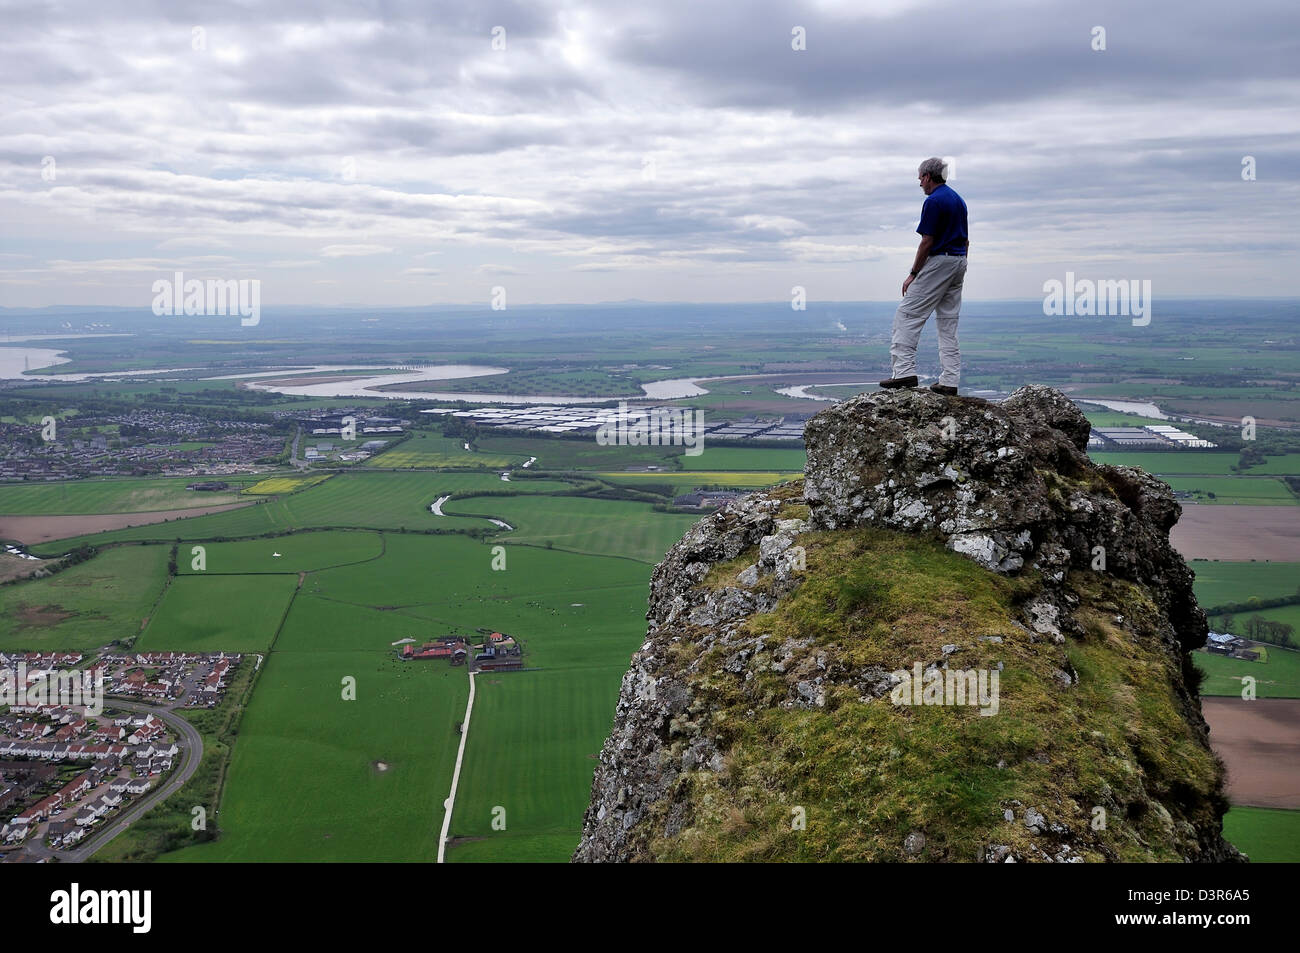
(385, 153)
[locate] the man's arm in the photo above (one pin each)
(922, 253)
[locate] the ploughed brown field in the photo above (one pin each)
(1210, 531)
(1259, 741)
(30, 530)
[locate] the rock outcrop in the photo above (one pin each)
(770, 713)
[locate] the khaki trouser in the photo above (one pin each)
(936, 289)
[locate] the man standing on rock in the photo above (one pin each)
(934, 284)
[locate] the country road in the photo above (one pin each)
(293, 454)
(190, 744)
(450, 804)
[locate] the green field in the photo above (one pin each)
(531, 751)
(1252, 491)
(304, 782)
(301, 552)
(576, 454)
(600, 527)
(1221, 583)
(218, 614)
(1284, 464)
(78, 497)
(739, 458)
(1279, 677)
(1267, 835)
(431, 451)
(87, 606)
(1115, 418)
(1288, 614)
(427, 586)
(683, 482)
(371, 500)
(1207, 462)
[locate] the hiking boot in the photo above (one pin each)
(899, 382)
(944, 389)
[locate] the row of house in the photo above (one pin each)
(60, 751)
(69, 797)
(168, 675)
(41, 659)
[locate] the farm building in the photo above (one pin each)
(455, 650)
(499, 653)
(1225, 644)
(484, 662)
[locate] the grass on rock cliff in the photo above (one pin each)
(867, 772)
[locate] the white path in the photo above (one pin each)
(450, 803)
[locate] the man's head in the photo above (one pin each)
(930, 174)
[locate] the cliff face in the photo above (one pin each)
(956, 639)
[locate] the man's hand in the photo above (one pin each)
(922, 256)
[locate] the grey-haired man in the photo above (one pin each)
(934, 284)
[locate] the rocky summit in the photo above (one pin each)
(956, 639)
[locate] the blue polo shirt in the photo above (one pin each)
(944, 216)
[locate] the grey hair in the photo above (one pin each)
(935, 168)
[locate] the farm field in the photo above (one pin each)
(566, 454)
(532, 751)
(683, 482)
(1279, 677)
(285, 484)
(1259, 742)
(1288, 614)
(738, 458)
(578, 524)
(1115, 418)
(429, 586)
(301, 552)
(88, 497)
(56, 535)
(321, 624)
(1267, 408)
(425, 450)
(1203, 462)
(105, 598)
(302, 771)
(1267, 835)
(1252, 491)
(1238, 532)
(218, 614)
(1220, 583)
(305, 782)
(1284, 464)
(371, 500)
